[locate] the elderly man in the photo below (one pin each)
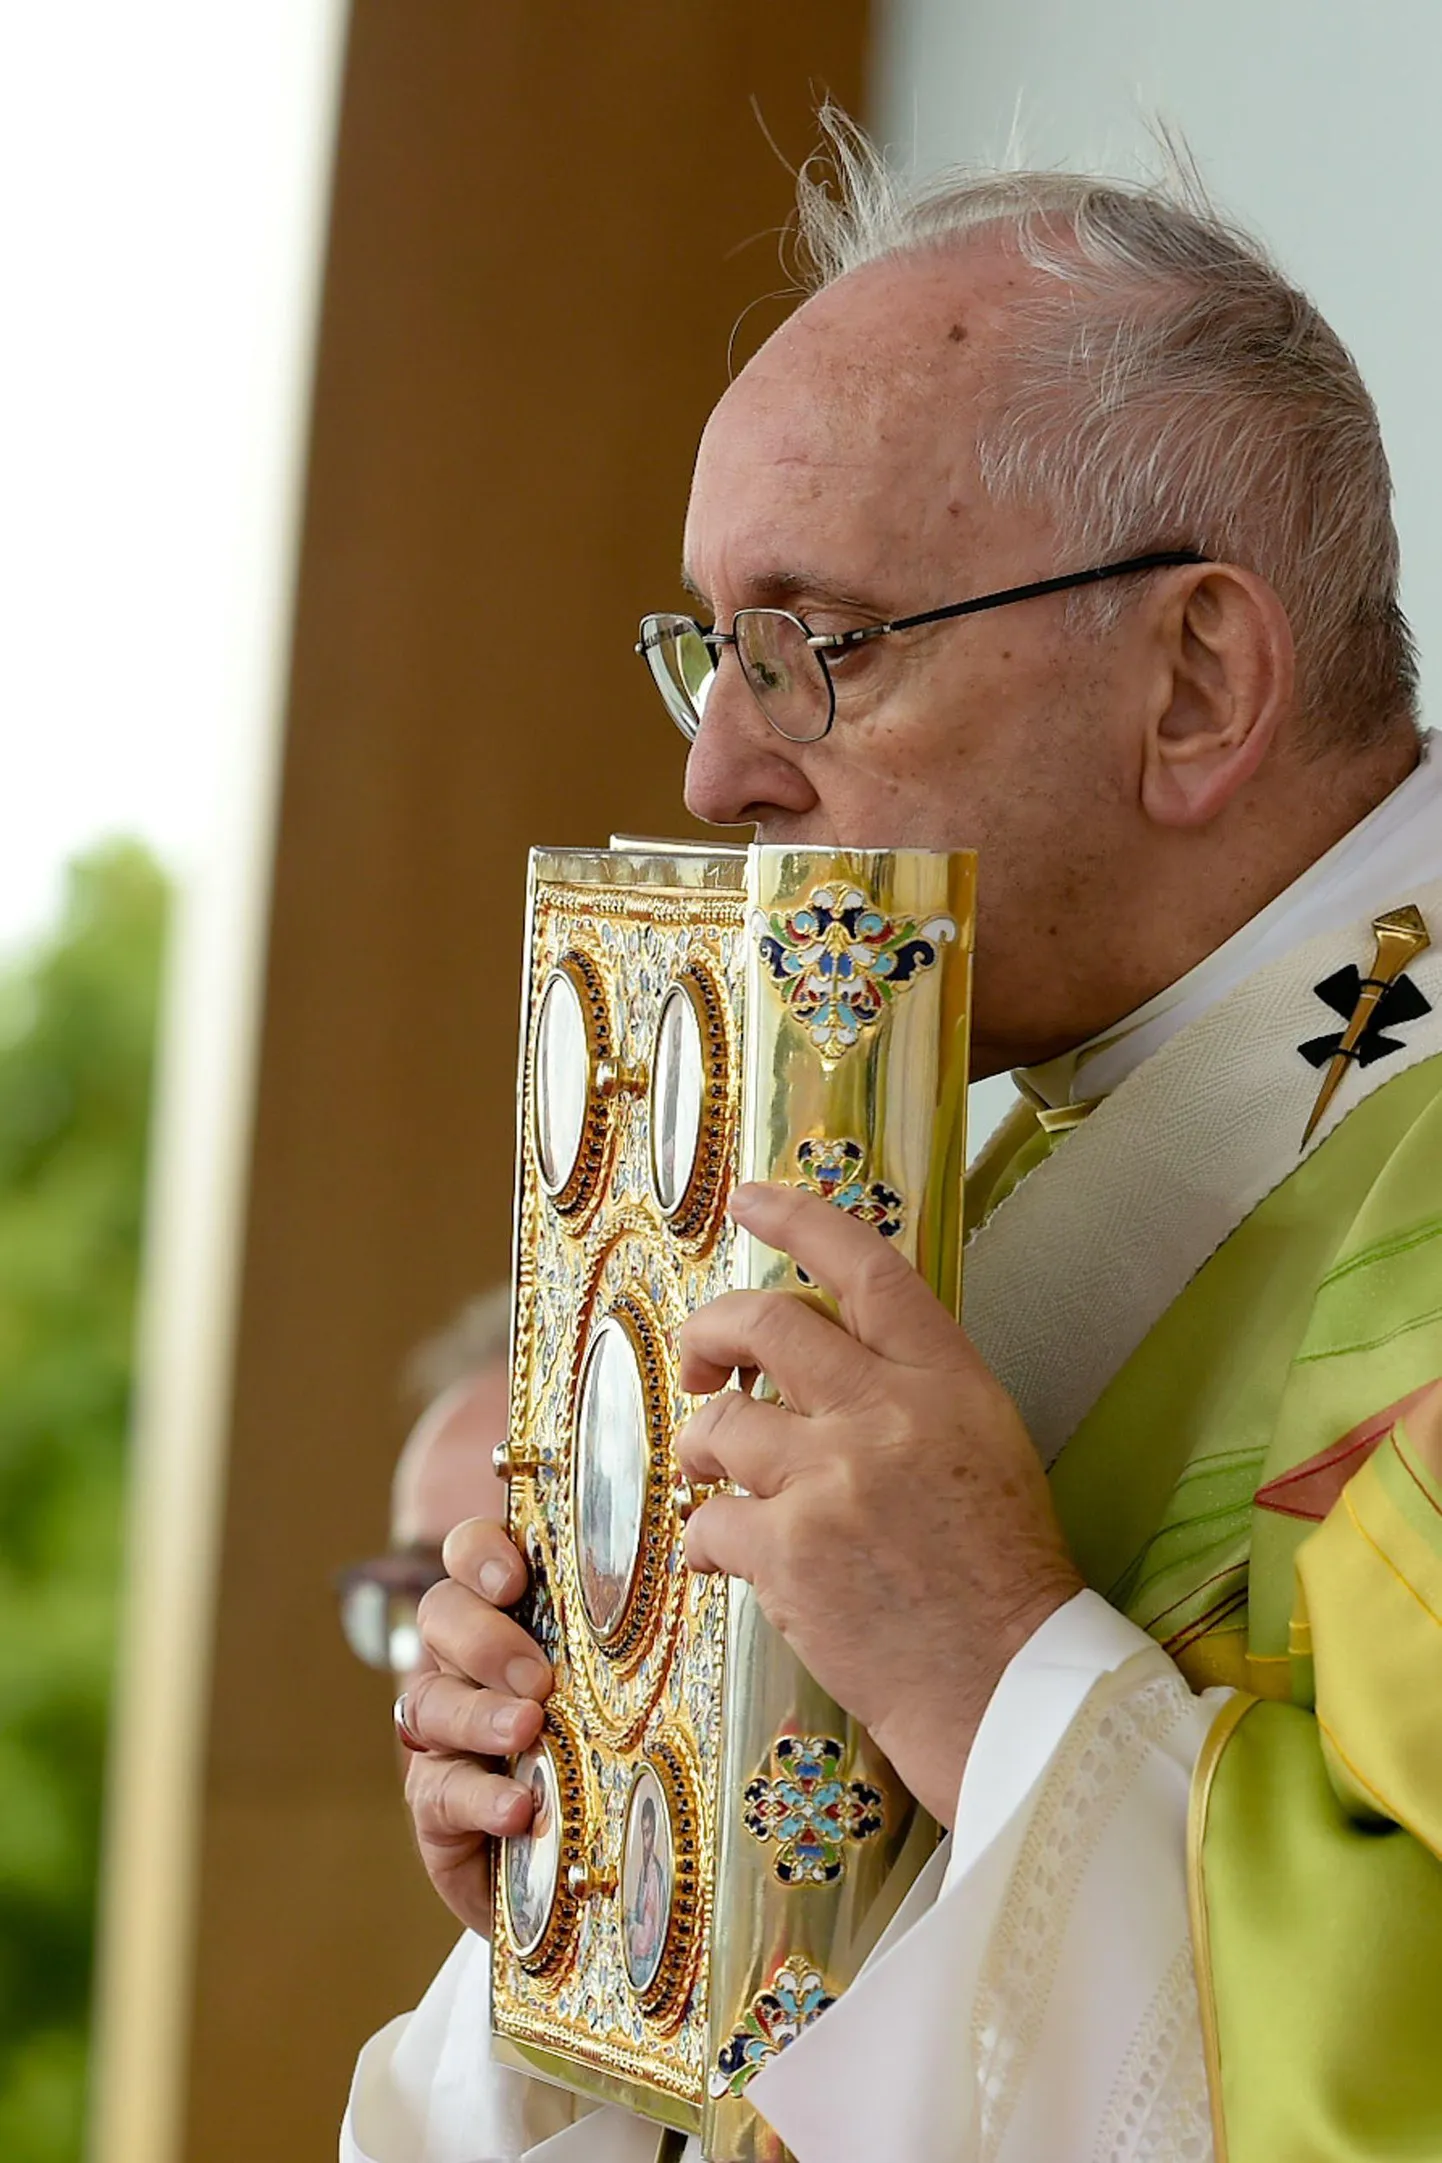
(1057, 523)
(443, 1476)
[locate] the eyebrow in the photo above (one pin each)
(775, 589)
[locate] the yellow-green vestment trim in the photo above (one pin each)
(1317, 1820)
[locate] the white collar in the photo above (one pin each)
(1396, 846)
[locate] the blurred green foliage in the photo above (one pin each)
(77, 1033)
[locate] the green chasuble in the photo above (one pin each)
(1245, 1491)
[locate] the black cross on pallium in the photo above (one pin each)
(1400, 1002)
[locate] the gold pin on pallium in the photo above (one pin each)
(1401, 936)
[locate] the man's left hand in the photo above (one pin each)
(896, 1523)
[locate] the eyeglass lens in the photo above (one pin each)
(380, 1624)
(682, 664)
(786, 676)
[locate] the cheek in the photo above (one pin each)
(887, 793)
(1010, 755)
(926, 765)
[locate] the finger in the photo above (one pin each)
(725, 1535)
(884, 1303)
(741, 1438)
(813, 1363)
(481, 1553)
(424, 1664)
(454, 1718)
(475, 1640)
(452, 1799)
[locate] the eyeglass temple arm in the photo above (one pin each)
(1163, 559)
(713, 637)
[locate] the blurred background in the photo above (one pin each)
(353, 363)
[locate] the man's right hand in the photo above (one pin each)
(478, 1699)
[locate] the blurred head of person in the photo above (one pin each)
(443, 1476)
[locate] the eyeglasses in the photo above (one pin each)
(784, 661)
(379, 1600)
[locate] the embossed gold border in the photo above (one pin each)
(692, 1222)
(561, 1743)
(626, 1642)
(670, 1759)
(575, 1196)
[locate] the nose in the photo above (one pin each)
(739, 768)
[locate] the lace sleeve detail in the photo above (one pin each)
(1158, 2111)
(1158, 2103)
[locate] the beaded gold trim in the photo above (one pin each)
(693, 1220)
(626, 1642)
(664, 1998)
(560, 1743)
(577, 1194)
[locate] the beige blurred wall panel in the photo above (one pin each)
(539, 247)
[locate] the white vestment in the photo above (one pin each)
(1033, 2000)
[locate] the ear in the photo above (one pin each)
(1226, 687)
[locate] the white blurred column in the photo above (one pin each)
(164, 173)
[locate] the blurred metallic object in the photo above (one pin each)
(407, 1739)
(378, 1602)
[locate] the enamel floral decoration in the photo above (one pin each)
(810, 1813)
(775, 2017)
(839, 962)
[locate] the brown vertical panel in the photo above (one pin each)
(538, 250)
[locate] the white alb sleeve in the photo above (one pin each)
(426, 2090)
(1035, 1995)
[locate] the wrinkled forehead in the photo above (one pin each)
(858, 417)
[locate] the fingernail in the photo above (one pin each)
(493, 1579)
(526, 1678)
(507, 1721)
(744, 1198)
(508, 1796)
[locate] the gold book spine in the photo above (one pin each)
(857, 1000)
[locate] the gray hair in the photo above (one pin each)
(1167, 388)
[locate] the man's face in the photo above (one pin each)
(838, 478)
(445, 1473)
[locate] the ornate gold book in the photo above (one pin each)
(716, 1845)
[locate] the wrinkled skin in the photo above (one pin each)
(896, 1522)
(1158, 756)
